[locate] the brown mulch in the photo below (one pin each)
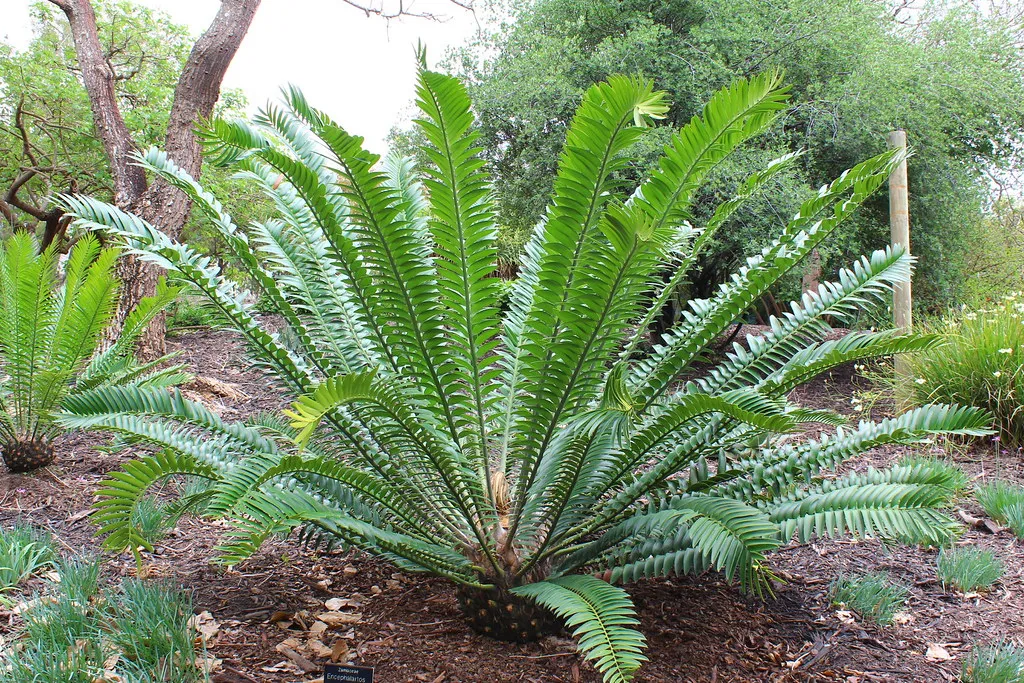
(410, 629)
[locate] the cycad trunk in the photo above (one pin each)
(497, 613)
(25, 456)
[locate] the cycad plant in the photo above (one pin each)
(527, 457)
(49, 335)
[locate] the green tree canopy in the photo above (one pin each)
(949, 75)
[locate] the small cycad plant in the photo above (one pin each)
(526, 456)
(49, 341)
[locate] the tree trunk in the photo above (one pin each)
(195, 95)
(812, 272)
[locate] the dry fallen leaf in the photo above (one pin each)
(304, 664)
(845, 616)
(318, 648)
(937, 653)
(206, 625)
(293, 643)
(339, 618)
(31, 604)
(902, 618)
(339, 651)
(335, 604)
(208, 664)
(317, 629)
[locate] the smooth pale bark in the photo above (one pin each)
(899, 223)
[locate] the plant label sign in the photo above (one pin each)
(343, 673)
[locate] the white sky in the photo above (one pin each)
(358, 69)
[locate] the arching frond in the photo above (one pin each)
(601, 617)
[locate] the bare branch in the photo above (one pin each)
(403, 9)
(8, 213)
(19, 123)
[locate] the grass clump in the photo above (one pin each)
(1015, 518)
(997, 497)
(873, 596)
(24, 551)
(968, 569)
(981, 364)
(81, 632)
(188, 312)
(1002, 663)
(151, 519)
(152, 633)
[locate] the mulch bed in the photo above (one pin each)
(410, 628)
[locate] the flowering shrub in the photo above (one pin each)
(981, 364)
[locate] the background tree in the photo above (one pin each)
(142, 80)
(47, 142)
(950, 75)
(195, 94)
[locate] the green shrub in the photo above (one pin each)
(24, 551)
(981, 364)
(49, 341)
(873, 596)
(997, 497)
(968, 569)
(996, 664)
(186, 312)
(528, 456)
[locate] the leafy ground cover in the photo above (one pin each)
(268, 617)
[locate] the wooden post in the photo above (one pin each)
(899, 222)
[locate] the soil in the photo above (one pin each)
(409, 628)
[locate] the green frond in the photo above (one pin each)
(153, 246)
(623, 537)
(813, 360)
(601, 617)
(239, 244)
(709, 318)
(773, 471)
(683, 264)
(463, 230)
(261, 515)
(312, 198)
(50, 333)
(119, 494)
(733, 536)
(667, 453)
(864, 285)
(600, 131)
(418, 447)
(310, 409)
(903, 511)
(659, 557)
(406, 296)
